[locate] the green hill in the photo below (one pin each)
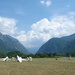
(8, 44)
(59, 45)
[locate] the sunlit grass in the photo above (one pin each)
(39, 66)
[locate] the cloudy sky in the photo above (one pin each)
(33, 22)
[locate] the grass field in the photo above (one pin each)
(39, 66)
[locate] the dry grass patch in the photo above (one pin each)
(39, 66)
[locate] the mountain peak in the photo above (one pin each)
(0, 33)
(8, 44)
(59, 45)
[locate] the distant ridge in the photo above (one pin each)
(8, 44)
(59, 45)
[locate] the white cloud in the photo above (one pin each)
(7, 25)
(45, 29)
(22, 37)
(47, 2)
(42, 2)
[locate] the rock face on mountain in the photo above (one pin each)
(59, 45)
(8, 43)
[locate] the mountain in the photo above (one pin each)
(8, 43)
(59, 45)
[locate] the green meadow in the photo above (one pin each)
(39, 66)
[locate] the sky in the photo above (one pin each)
(34, 22)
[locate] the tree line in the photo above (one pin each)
(37, 55)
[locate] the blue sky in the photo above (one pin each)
(33, 22)
(28, 12)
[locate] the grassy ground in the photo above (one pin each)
(39, 66)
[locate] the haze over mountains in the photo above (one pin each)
(8, 44)
(59, 45)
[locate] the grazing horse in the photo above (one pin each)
(19, 59)
(5, 59)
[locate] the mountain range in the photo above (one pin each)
(59, 45)
(8, 44)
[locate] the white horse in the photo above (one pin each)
(29, 58)
(5, 59)
(19, 59)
